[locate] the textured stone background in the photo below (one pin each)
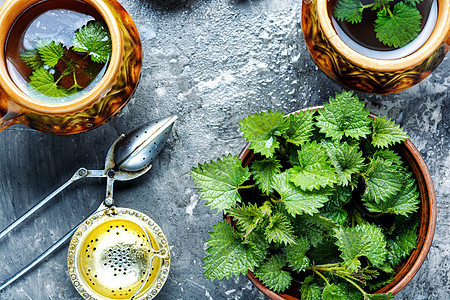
(211, 62)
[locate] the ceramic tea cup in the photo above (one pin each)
(371, 75)
(95, 107)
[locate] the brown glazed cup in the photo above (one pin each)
(410, 266)
(362, 73)
(98, 105)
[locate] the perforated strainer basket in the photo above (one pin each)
(118, 253)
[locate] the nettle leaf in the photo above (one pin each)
(219, 181)
(340, 291)
(313, 227)
(260, 130)
(95, 40)
(309, 290)
(383, 180)
(349, 10)
(401, 244)
(389, 156)
(300, 127)
(386, 133)
(51, 53)
(295, 199)
(336, 214)
(272, 275)
(32, 59)
(399, 27)
(344, 116)
(346, 159)
(263, 172)
(362, 240)
(248, 217)
(296, 254)
(228, 255)
(339, 197)
(378, 4)
(43, 81)
(314, 170)
(280, 230)
(405, 202)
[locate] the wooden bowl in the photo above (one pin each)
(410, 266)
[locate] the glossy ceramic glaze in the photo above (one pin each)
(409, 267)
(365, 74)
(96, 107)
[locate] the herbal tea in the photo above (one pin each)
(384, 29)
(58, 53)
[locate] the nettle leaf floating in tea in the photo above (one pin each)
(58, 71)
(395, 25)
(95, 40)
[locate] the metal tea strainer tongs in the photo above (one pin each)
(116, 253)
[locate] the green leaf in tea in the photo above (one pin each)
(95, 40)
(272, 274)
(263, 172)
(386, 133)
(228, 254)
(296, 200)
(43, 81)
(349, 10)
(51, 53)
(344, 116)
(32, 59)
(399, 27)
(219, 181)
(260, 130)
(314, 170)
(362, 240)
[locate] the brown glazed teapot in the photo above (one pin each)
(99, 104)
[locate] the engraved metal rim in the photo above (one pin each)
(99, 218)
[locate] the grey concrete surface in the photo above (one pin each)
(211, 62)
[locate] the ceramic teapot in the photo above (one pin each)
(98, 105)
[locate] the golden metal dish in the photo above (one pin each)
(110, 256)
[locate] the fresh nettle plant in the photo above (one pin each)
(325, 204)
(395, 25)
(57, 71)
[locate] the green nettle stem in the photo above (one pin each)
(354, 284)
(320, 275)
(250, 186)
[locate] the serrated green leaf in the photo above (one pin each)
(389, 156)
(32, 59)
(399, 27)
(346, 159)
(260, 130)
(263, 172)
(310, 291)
(314, 170)
(340, 291)
(405, 202)
(383, 180)
(248, 216)
(219, 181)
(228, 255)
(401, 244)
(51, 53)
(386, 133)
(349, 10)
(340, 196)
(300, 127)
(295, 199)
(95, 40)
(379, 4)
(314, 227)
(43, 81)
(344, 116)
(362, 240)
(296, 254)
(338, 215)
(280, 230)
(272, 275)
